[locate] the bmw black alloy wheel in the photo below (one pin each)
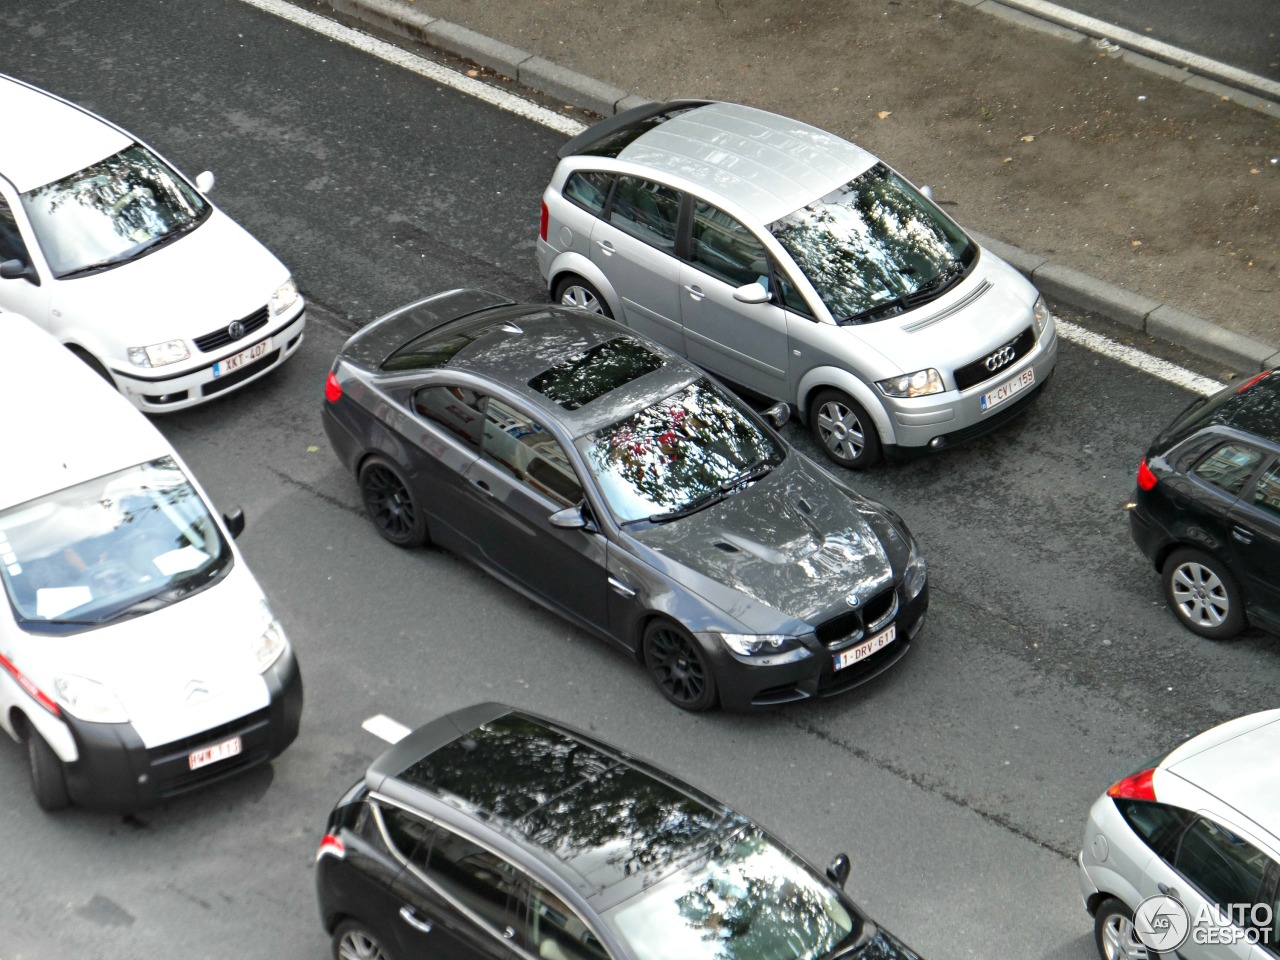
(679, 666)
(391, 505)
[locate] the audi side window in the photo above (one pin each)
(556, 932)
(409, 835)
(459, 410)
(648, 211)
(528, 452)
(478, 879)
(1224, 867)
(589, 189)
(1229, 467)
(726, 249)
(791, 297)
(1266, 495)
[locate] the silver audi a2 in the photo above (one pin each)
(799, 267)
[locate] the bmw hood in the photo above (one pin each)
(796, 541)
(191, 286)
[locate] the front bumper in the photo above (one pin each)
(155, 392)
(116, 771)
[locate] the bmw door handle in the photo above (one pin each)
(622, 588)
(605, 247)
(695, 291)
(413, 920)
(1243, 534)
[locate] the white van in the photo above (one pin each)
(139, 658)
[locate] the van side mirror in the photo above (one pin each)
(19, 270)
(838, 871)
(205, 181)
(234, 519)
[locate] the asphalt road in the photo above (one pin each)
(958, 783)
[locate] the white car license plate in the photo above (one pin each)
(238, 360)
(866, 648)
(219, 751)
(1007, 389)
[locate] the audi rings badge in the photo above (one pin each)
(1000, 359)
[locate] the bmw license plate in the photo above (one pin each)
(219, 751)
(1000, 394)
(866, 648)
(238, 360)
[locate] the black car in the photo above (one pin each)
(1207, 509)
(491, 834)
(614, 482)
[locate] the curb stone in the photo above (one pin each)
(1058, 282)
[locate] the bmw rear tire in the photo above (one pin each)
(391, 505)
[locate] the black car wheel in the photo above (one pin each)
(351, 941)
(1113, 933)
(846, 432)
(48, 780)
(1204, 594)
(576, 292)
(678, 666)
(391, 505)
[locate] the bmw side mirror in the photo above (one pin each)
(751, 293)
(19, 270)
(205, 181)
(570, 518)
(838, 871)
(778, 414)
(234, 519)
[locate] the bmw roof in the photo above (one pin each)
(46, 138)
(764, 162)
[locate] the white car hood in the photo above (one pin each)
(183, 669)
(191, 286)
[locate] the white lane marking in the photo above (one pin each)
(385, 728)
(1169, 372)
(410, 61)
(570, 127)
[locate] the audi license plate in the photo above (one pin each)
(866, 648)
(1007, 389)
(238, 360)
(219, 751)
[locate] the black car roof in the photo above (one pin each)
(1252, 407)
(602, 816)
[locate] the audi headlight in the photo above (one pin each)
(757, 644)
(915, 575)
(1041, 316)
(159, 354)
(918, 384)
(269, 646)
(284, 298)
(89, 700)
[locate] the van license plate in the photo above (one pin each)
(1007, 389)
(219, 751)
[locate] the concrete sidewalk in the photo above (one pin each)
(1120, 185)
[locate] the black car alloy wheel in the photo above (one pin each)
(1204, 595)
(679, 666)
(391, 505)
(351, 941)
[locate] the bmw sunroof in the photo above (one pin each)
(583, 377)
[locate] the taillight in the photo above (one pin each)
(331, 846)
(1146, 479)
(332, 388)
(542, 225)
(1241, 389)
(1136, 786)
(26, 684)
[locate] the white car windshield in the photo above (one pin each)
(116, 546)
(111, 212)
(875, 247)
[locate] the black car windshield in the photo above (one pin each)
(875, 246)
(748, 900)
(676, 452)
(103, 549)
(111, 211)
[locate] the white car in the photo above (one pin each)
(138, 656)
(1182, 857)
(126, 262)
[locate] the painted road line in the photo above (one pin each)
(426, 68)
(1133, 357)
(385, 728)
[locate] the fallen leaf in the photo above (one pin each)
(312, 449)
(1028, 138)
(1135, 243)
(884, 114)
(1253, 170)
(1007, 160)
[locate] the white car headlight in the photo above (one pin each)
(284, 298)
(918, 384)
(1041, 316)
(268, 647)
(914, 576)
(89, 700)
(753, 644)
(159, 354)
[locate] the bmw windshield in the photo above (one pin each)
(875, 247)
(111, 212)
(116, 546)
(687, 450)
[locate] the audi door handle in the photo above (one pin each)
(695, 291)
(606, 247)
(412, 919)
(1243, 534)
(621, 588)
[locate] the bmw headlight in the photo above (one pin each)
(89, 700)
(268, 647)
(918, 384)
(159, 354)
(758, 644)
(914, 577)
(1041, 316)
(284, 298)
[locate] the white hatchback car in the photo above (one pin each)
(1182, 857)
(138, 656)
(125, 261)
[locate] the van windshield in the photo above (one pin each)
(109, 548)
(875, 247)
